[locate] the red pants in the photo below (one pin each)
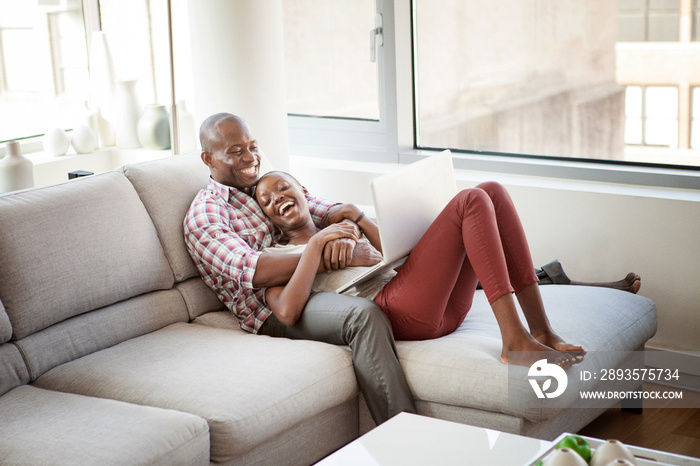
(478, 237)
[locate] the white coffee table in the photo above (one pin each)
(410, 439)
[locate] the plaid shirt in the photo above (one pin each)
(225, 232)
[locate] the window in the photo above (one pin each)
(328, 65)
(339, 99)
(552, 79)
(648, 20)
(651, 116)
(43, 66)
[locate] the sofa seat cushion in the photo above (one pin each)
(249, 388)
(46, 427)
(13, 370)
(463, 369)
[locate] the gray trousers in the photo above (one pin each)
(360, 324)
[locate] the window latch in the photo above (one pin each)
(376, 38)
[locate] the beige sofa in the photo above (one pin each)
(112, 350)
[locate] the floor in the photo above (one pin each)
(661, 426)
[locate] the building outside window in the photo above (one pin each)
(598, 80)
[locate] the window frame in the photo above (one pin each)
(358, 139)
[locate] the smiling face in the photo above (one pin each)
(232, 154)
(283, 200)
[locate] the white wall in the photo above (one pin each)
(599, 232)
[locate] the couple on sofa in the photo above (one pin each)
(234, 222)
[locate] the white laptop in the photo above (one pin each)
(406, 203)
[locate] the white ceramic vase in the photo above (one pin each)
(106, 136)
(16, 171)
(154, 127)
(610, 451)
(102, 76)
(83, 139)
(56, 142)
(128, 113)
(187, 129)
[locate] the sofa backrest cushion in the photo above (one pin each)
(167, 187)
(70, 248)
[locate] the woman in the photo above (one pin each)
(478, 237)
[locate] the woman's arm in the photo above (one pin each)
(351, 212)
(288, 302)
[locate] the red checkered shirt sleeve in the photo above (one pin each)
(318, 208)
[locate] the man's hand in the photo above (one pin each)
(345, 252)
(340, 212)
(338, 253)
(365, 254)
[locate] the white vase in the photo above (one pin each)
(56, 142)
(187, 129)
(106, 136)
(154, 127)
(83, 139)
(16, 171)
(102, 76)
(128, 112)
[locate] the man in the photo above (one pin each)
(225, 232)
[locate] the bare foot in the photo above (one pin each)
(631, 283)
(529, 350)
(556, 342)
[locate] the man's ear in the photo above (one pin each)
(207, 158)
(306, 191)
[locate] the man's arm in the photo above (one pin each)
(342, 253)
(276, 269)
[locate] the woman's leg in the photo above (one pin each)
(433, 291)
(473, 236)
(521, 272)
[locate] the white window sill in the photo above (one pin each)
(51, 169)
(571, 176)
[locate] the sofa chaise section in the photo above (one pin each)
(48, 427)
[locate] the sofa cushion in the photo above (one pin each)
(200, 299)
(249, 388)
(5, 326)
(13, 371)
(102, 328)
(155, 183)
(44, 427)
(464, 368)
(70, 248)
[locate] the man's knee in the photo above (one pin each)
(366, 316)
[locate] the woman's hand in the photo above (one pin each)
(345, 230)
(338, 243)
